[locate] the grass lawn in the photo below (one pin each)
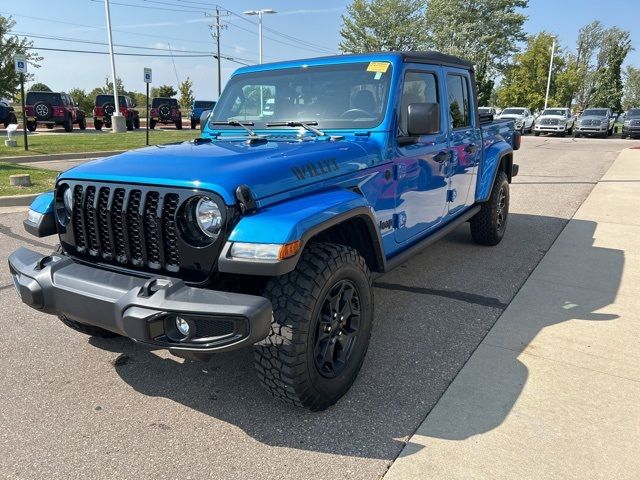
(93, 142)
(41, 180)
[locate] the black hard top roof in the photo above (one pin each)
(428, 57)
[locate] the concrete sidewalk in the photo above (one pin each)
(553, 391)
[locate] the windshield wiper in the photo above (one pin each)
(309, 126)
(253, 136)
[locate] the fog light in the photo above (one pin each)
(183, 326)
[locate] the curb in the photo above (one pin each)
(59, 156)
(18, 200)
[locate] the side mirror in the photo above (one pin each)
(423, 119)
(204, 116)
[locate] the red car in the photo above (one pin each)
(53, 108)
(105, 107)
(165, 110)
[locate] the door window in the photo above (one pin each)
(419, 87)
(459, 103)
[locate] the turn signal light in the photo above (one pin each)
(289, 249)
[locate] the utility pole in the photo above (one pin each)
(215, 33)
(553, 51)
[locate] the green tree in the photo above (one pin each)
(186, 93)
(107, 88)
(485, 32)
(589, 40)
(85, 101)
(39, 87)
(525, 82)
(10, 45)
(607, 91)
(382, 25)
(163, 91)
(631, 96)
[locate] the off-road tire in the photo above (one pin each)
(490, 223)
(129, 125)
(12, 119)
(194, 124)
(179, 125)
(285, 360)
(537, 134)
(82, 122)
(49, 126)
(31, 126)
(136, 123)
(87, 329)
(68, 124)
(97, 124)
(152, 124)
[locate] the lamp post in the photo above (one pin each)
(118, 122)
(553, 51)
(260, 13)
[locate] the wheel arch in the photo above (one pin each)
(498, 158)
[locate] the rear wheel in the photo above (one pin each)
(136, 123)
(82, 122)
(490, 223)
(193, 124)
(322, 318)
(11, 120)
(97, 124)
(68, 124)
(31, 126)
(129, 125)
(537, 134)
(179, 124)
(49, 126)
(152, 124)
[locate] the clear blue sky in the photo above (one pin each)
(311, 29)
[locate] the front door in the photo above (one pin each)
(465, 142)
(420, 164)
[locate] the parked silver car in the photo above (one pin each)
(555, 120)
(595, 121)
(522, 116)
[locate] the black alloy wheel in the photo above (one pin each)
(337, 329)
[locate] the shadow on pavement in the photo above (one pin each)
(419, 344)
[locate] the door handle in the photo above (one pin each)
(442, 157)
(471, 148)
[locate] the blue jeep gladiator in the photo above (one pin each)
(268, 229)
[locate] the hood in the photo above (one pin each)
(511, 116)
(220, 166)
(594, 117)
(553, 117)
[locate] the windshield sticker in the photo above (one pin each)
(380, 67)
(377, 76)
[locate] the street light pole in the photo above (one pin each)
(116, 124)
(553, 51)
(259, 13)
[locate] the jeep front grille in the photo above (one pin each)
(136, 228)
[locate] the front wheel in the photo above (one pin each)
(537, 134)
(490, 223)
(322, 318)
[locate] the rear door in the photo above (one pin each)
(420, 162)
(465, 141)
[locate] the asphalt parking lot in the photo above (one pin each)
(74, 407)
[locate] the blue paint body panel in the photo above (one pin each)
(288, 221)
(43, 203)
(298, 184)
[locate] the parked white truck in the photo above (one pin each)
(555, 120)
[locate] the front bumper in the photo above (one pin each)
(140, 308)
(592, 129)
(631, 130)
(550, 128)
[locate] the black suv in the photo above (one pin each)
(7, 114)
(105, 107)
(53, 108)
(165, 110)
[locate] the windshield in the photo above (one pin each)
(156, 102)
(335, 96)
(555, 111)
(634, 112)
(102, 99)
(204, 104)
(484, 110)
(513, 111)
(47, 97)
(594, 113)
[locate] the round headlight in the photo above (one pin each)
(209, 217)
(67, 199)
